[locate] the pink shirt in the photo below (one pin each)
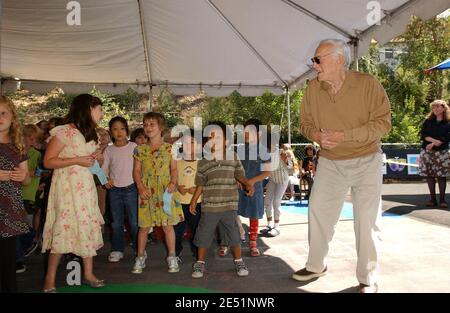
(118, 164)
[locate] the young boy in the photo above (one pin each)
(187, 170)
(27, 243)
(216, 182)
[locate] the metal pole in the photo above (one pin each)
(288, 99)
(150, 98)
(355, 54)
(1, 27)
(146, 56)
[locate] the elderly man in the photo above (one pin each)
(347, 113)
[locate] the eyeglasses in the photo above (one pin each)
(317, 59)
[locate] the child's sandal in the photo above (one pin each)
(253, 249)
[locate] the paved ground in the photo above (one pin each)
(415, 256)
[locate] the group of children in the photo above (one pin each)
(145, 185)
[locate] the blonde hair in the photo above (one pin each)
(102, 132)
(439, 102)
(15, 130)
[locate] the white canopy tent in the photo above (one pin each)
(187, 45)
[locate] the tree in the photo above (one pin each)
(409, 89)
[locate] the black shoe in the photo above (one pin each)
(265, 230)
(305, 275)
(20, 268)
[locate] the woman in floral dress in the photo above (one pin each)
(73, 223)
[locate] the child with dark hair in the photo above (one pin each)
(73, 222)
(216, 182)
(123, 197)
(187, 169)
(253, 164)
(138, 136)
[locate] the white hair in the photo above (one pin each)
(340, 47)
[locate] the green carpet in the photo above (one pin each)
(124, 288)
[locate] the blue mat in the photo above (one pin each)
(301, 207)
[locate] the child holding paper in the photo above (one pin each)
(155, 175)
(73, 222)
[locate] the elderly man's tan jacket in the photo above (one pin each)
(360, 109)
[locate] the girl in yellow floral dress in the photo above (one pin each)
(155, 172)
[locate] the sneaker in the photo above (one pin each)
(241, 269)
(304, 274)
(265, 230)
(32, 248)
(273, 232)
(198, 269)
(139, 264)
(20, 268)
(172, 261)
(115, 256)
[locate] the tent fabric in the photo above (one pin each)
(212, 45)
(441, 66)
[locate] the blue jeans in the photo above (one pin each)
(121, 200)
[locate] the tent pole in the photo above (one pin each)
(288, 99)
(244, 40)
(150, 98)
(355, 42)
(147, 59)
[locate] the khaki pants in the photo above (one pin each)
(333, 179)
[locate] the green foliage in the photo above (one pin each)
(128, 100)
(169, 107)
(269, 108)
(409, 88)
(110, 107)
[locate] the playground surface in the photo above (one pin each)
(414, 256)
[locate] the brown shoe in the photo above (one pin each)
(431, 204)
(304, 274)
(368, 289)
(443, 205)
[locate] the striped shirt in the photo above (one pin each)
(218, 179)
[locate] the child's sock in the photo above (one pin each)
(276, 225)
(201, 262)
(270, 224)
(238, 260)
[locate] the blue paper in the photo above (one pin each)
(97, 170)
(167, 199)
